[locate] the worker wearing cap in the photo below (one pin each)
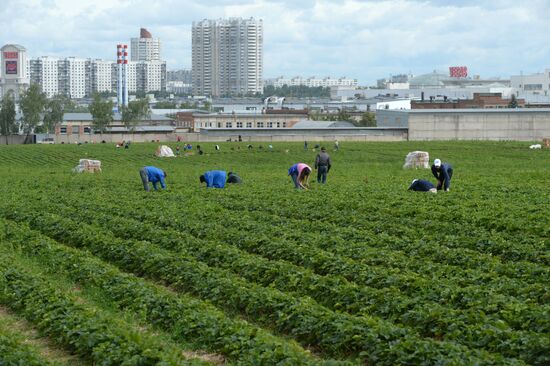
(322, 164)
(421, 185)
(443, 172)
(214, 178)
(154, 175)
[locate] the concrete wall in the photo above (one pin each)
(392, 118)
(329, 134)
(13, 139)
(501, 125)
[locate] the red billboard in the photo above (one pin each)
(11, 67)
(11, 55)
(458, 71)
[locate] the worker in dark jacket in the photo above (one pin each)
(443, 172)
(214, 178)
(154, 175)
(421, 185)
(322, 164)
(233, 178)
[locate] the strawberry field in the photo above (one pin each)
(360, 271)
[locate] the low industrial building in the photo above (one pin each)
(78, 127)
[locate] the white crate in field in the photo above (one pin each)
(88, 165)
(417, 159)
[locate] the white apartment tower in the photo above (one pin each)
(227, 56)
(44, 71)
(145, 48)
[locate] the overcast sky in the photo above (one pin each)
(361, 39)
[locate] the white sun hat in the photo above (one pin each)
(437, 163)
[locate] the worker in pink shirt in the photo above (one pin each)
(300, 173)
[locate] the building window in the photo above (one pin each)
(88, 130)
(219, 125)
(260, 125)
(248, 124)
(278, 124)
(533, 86)
(239, 125)
(228, 125)
(269, 124)
(284, 124)
(75, 130)
(63, 130)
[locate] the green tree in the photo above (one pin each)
(165, 105)
(55, 109)
(7, 116)
(32, 106)
(136, 111)
(368, 119)
(513, 102)
(299, 91)
(102, 113)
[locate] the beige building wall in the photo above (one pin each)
(508, 125)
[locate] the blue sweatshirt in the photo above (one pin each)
(155, 175)
(444, 174)
(421, 185)
(215, 178)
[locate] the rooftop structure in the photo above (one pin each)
(145, 48)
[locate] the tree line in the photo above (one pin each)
(40, 114)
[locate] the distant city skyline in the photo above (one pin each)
(363, 40)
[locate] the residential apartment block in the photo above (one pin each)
(227, 56)
(79, 78)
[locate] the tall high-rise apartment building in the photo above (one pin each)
(145, 48)
(227, 56)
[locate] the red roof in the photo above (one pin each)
(144, 33)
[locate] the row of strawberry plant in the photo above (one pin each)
(15, 352)
(376, 220)
(523, 315)
(185, 318)
(311, 324)
(241, 225)
(236, 231)
(527, 272)
(471, 328)
(364, 244)
(85, 331)
(518, 314)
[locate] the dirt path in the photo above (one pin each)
(9, 322)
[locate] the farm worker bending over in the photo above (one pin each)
(299, 173)
(443, 172)
(421, 185)
(233, 178)
(154, 175)
(322, 164)
(213, 179)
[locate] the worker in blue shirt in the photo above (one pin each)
(214, 178)
(421, 185)
(154, 175)
(443, 172)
